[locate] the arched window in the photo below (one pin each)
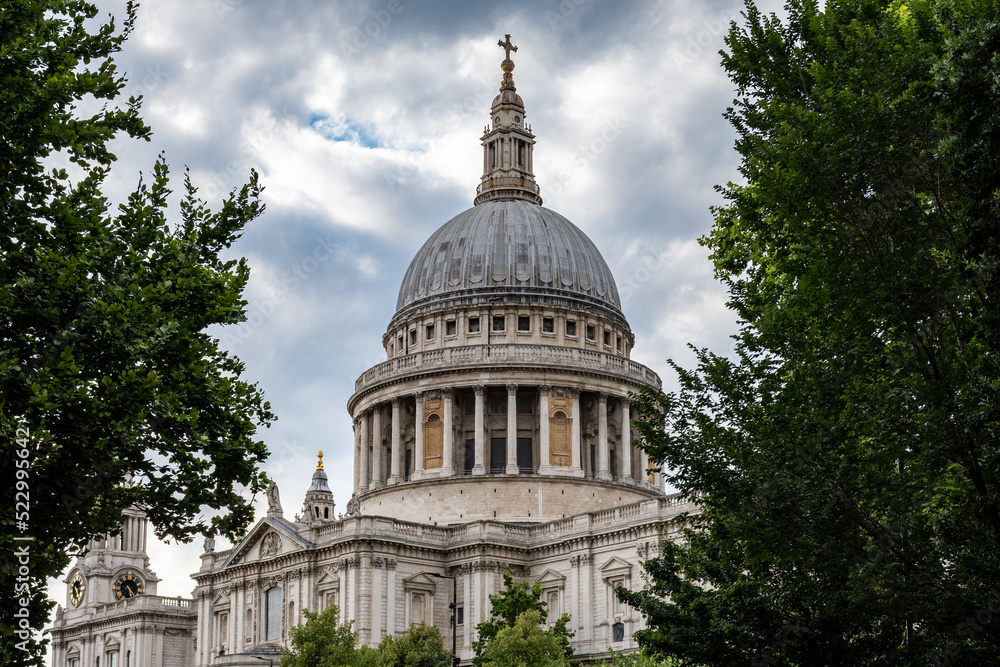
(326, 512)
(272, 614)
(317, 512)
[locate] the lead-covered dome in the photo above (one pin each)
(509, 250)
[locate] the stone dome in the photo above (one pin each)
(509, 250)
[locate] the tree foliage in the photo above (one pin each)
(112, 394)
(525, 644)
(321, 641)
(847, 457)
(507, 606)
(420, 646)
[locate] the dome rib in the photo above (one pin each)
(505, 246)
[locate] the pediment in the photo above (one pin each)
(221, 600)
(271, 537)
(615, 566)
(550, 578)
(420, 581)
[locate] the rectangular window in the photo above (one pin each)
(112, 660)
(273, 613)
(499, 323)
(399, 348)
(524, 323)
(607, 338)
(591, 332)
(450, 328)
(413, 336)
(460, 616)
(619, 344)
(430, 332)
(473, 325)
(548, 325)
(570, 328)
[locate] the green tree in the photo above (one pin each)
(321, 642)
(636, 659)
(846, 458)
(420, 646)
(525, 644)
(112, 394)
(507, 606)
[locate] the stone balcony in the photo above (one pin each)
(510, 356)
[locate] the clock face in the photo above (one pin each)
(127, 586)
(76, 588)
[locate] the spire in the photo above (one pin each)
(507, 143)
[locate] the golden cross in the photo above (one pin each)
(507, 47)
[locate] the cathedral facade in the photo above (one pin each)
(496, 437)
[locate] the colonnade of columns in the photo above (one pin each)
(373, 443)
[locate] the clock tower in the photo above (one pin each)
(112, 616)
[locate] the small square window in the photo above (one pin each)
(607, 338)
(499, 322)
(591, 332)
(473, 325)
(413, 336)
(430, 332)
(524, 323)
(570, 328)
(548, 325)
(450, 328)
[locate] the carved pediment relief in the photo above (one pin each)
(270, 545)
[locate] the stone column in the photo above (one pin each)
(479, 468)
(365, 475)
(603, 468)
(418, 435)
(376, 447)
(576, 437)
(512, 468)
(359, 445)
(397, 439)
(448, 465)
(644, 463)
(545, 465)
(626, 446)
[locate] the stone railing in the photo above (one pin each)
(655, 509)
(515, 355)
(145, 603)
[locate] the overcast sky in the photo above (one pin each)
(364, 120)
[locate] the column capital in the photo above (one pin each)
(603, 396)
(395, 402)
(544, 388)
(480, 389)
(511, 388)
(625, 401)
(418, 396)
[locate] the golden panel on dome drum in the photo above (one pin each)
(433, 434)
(560, 432)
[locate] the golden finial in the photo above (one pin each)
(319, 465)
(507, 65)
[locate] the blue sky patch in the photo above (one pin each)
(343, 129)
